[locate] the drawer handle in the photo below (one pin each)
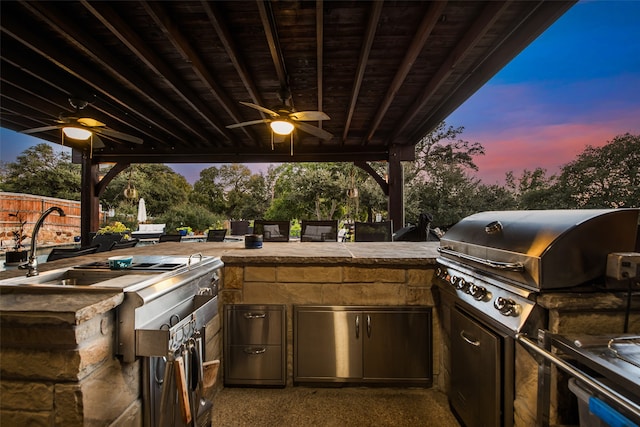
(255, 350)
(471, 341)
(255, 315)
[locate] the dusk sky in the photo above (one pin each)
(578, 84)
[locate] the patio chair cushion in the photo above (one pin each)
(317, 232)
(272, 230)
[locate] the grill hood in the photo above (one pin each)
(542, 249)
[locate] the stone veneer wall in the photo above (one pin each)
(59, 369)
(330, 285)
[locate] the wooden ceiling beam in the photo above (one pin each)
(119, 28)
(69, 64)
(235, 56)
(270, 31)
(57, 97)
(372, 25)
(23, 92)
(320, 53)
(429, 21)
(249, 155)
(489, 15)
(158, 12)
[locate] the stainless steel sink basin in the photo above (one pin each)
(65, 277)
(97, 275)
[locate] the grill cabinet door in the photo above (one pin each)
(475, 372)
(397, 345)
(328, 344)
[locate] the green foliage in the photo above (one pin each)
(440, 182)
(232, 191)
(158, 184)
(604, 177)
(41, 171)
(196, 217)
(115, 227)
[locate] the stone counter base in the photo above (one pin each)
(330, 285)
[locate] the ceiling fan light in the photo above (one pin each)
(76, 133)
(281, 127)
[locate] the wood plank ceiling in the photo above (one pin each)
(173, 73)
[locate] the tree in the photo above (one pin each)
(438, 181)
(534, 190)
(40, 170)
(309, 191)
(604, 177)
(158, 184)
(233, 191)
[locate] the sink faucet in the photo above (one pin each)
(32, 262)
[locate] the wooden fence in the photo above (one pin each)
(55, 229)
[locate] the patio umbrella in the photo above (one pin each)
(142, 210)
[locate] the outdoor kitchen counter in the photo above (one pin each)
(329, 253)
(78, 306)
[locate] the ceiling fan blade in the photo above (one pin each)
(252, 122)
(313, 130)
(41, 129)
(88, 121)
(116, 134)
(97, 142)
(309, 116)
(261, 108)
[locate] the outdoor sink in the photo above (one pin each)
(78, 278)
(75, 277)
(97, 276)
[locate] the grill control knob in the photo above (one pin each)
(506, 306)
(477, 292)
(461, 284)
(453, 280)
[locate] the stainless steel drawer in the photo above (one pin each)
(254, 325)
(255, 365)
(255, 344)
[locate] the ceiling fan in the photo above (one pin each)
(83, 128)
(283, 118)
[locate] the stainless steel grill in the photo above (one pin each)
(497, 262)
(492, 268)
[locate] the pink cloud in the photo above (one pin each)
(546, 146)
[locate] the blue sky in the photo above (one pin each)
(578, 84)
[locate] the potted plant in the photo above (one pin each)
(115, 228)
(17, 255)
(184, 230)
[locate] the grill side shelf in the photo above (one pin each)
(158, 342)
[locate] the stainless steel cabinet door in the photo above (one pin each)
(328, 345)
(397, 345)
(475, 372)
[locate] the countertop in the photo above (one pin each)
(388, 253)
(57, 302)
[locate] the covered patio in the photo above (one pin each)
(164, 82)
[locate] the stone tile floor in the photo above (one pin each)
(328, 407)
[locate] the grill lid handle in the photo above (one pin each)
(498, 265)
